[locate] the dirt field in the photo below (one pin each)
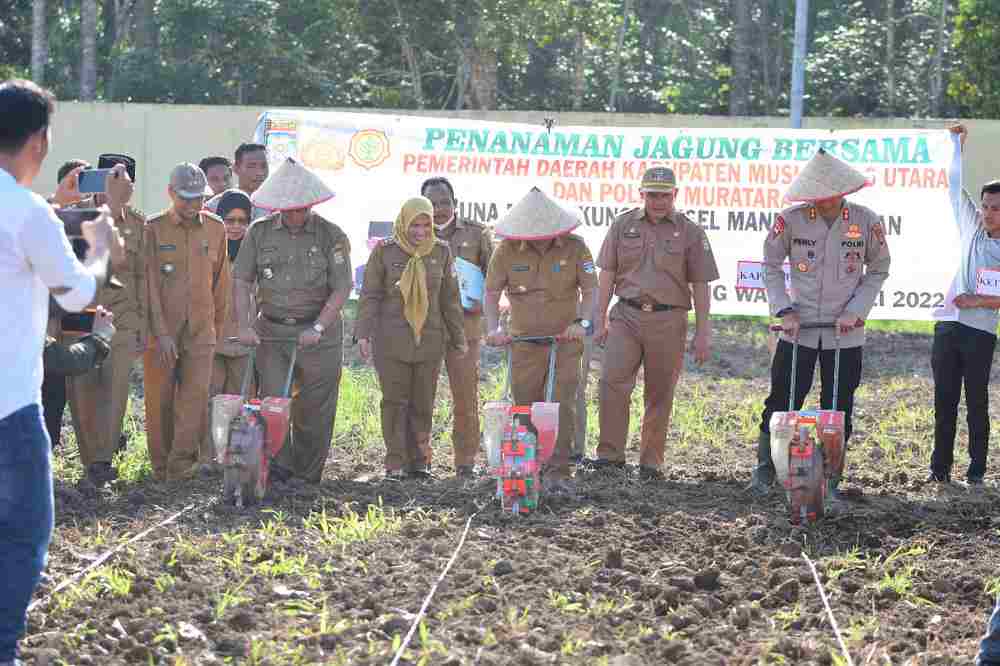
(691, 571)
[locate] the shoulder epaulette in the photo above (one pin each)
(156, 218)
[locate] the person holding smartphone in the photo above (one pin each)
(36, 259)
(99, 398)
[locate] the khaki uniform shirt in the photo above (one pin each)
(836, 269)
(543, 289)
(470, 241)
(380, 310)
(129, 303)
(295, 272)
(188, 277)
(656, 263)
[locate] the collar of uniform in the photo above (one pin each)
(667, 220)
(309, 226)
(557, 242)
(197, 222)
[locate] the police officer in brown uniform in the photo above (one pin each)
(839, 261)
(654, 260)
(99, 398)
(189, 284)
(550, 280)
(409, 315)
(301, 266)
(471, 242)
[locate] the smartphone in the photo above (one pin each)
(79, 322)
(93, 181)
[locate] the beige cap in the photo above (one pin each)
(658, 179)
(825, 177)
(536, 217)
(290, 187)
(189, 182)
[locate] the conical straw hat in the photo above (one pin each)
(825, 177)
(536, 217)
(290, 187)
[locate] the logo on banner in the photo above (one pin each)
(281, 137)
(324, 154)
(369, 148)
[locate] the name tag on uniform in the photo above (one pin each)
(988, 282)
(168, 248)
(520, 268)
(631, 234)
(399, 265)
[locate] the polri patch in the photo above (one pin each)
(267, 273)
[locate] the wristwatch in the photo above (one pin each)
(588, 326)
(318, 327)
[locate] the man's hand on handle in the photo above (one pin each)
(168, 350)
(309, 337)
(847, 323)
(572, 332)
(249, 337)
(498, 338)
(104, 323)
(365, 348)
(790, 324)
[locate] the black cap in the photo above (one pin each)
(108, 160)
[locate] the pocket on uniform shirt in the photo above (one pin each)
(316, 268)
(850, 265)
(630, 250)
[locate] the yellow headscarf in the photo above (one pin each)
(413, 283)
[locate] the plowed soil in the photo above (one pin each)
(691, 570)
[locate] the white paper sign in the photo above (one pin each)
(988, 282)
(750, 275)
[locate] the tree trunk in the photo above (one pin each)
(482, 77)
(616, 79)
(39, 41)
(937, 75)
(410, 57)
(147, 35)
(579, 72)
(739, 91)
(890, 56)
(88, 50)
(766, 77)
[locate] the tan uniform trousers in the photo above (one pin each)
(530, 369)
(227, 378)
(654, 340)
(463, 377)
(408, 391)
(315, 391)
(98, 401)
(176, 418)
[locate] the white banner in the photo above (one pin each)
(731, 182)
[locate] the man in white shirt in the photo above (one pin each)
(36, 258)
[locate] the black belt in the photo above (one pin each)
(290, 321)
(648, 307)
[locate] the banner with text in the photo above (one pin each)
(731, 182)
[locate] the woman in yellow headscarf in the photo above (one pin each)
(409, 315)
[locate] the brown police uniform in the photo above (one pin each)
(188, 278)
(472, 242)
(99, 399)
(408, 372)
(295, 274)
(544, 293)
(653, 266)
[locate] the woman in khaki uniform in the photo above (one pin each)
(409, 315)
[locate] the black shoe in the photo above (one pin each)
(422, 475)
(576, 459)
(101, 473)
(280, 474)
(975, 481)
(936, 477)
(603, 465)
(650, 474)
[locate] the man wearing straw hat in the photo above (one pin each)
(187, 274)
(550, 280)
(839, 260)
(301, 265)
(655, 260)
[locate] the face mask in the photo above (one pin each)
(234, 249)
(442, 227)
